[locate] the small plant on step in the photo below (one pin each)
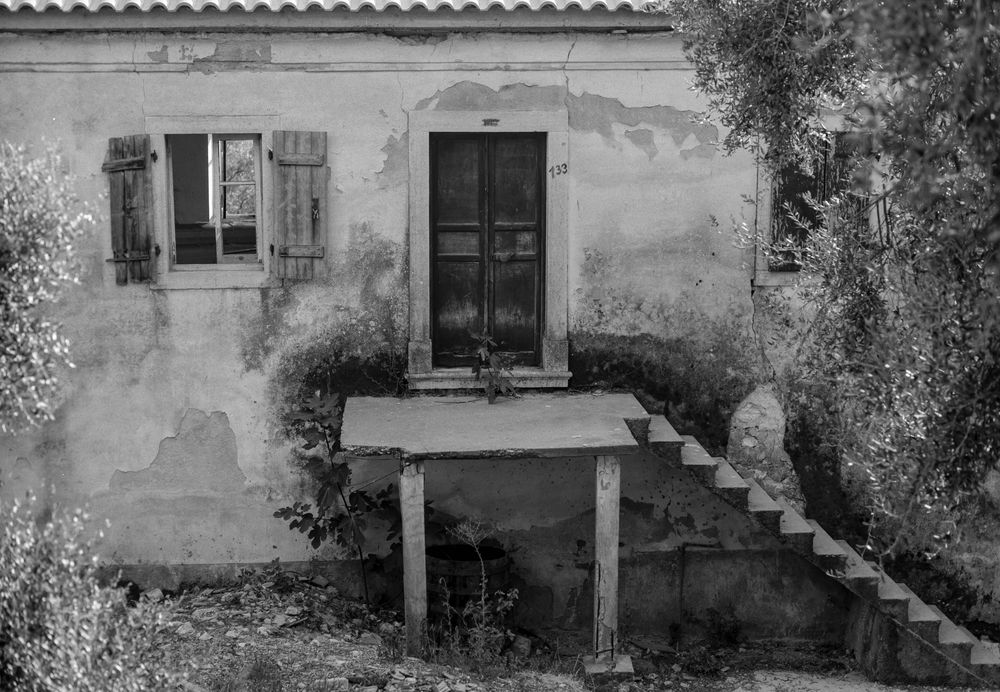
(491, 367)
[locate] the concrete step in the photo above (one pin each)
(859, 576)
(922, 619)
(954, 641)
(663, 440)
(892, 599)
(794, 528)
(763, 508)
(985, 654)
(829, 555)
(696, 460)
(985, 661)
(731, 485)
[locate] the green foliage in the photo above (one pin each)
(40, 218)
(492, 368)
(338, 515)
(902, 342)
(768, 65)
(60, 631)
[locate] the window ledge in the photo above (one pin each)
(244, 277)
(462, 378)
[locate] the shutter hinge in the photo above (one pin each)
(156, 249)
(272, 249)
(270, 154)
(153, 156)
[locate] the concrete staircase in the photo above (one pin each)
(926, 646)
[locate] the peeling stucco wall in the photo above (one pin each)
(172, 426)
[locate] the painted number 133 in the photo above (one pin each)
(559, 169)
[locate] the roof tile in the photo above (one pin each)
(302, 5)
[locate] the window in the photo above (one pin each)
(216, 203)
(216, 198)
(487, 240)
(793, 215)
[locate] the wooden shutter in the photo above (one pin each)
(131, 200)
(300, 208)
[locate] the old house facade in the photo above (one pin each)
(287, 191)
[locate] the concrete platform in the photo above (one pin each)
(421, 430)
(542, 425)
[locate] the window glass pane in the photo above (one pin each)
(240, 200)
(237, 156)
(516, 242)
(457, 181)
(516, 182)
(239, 240)
(194, 232)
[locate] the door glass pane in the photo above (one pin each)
(516, 181)
(458, 243)
(457, 181)
(515, 242)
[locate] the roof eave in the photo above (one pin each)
(316, 19)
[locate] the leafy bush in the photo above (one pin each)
(60, 630)
(40, 217)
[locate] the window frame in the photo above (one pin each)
(193, 276)
(216, 190)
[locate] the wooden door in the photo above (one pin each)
(487, 240)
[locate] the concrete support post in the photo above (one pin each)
(606, 558)
(411, 502)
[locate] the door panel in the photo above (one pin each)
(514, 305)
(457, 309)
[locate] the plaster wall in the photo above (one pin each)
(170, 423)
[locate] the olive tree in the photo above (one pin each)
(900, 358)
(40, 217)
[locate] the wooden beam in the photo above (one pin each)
(411, 504)
(606, 644)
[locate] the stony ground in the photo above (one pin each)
(279, 632)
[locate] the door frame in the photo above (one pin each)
(555, 310)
